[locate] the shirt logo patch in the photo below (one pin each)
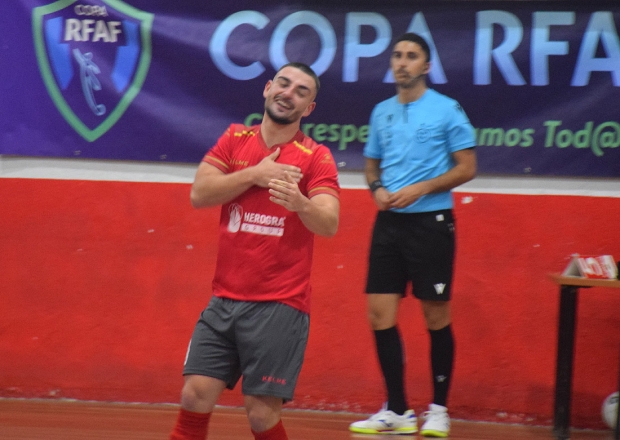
(254, 223)
(234, 222)
(327, 159)
(423, 134)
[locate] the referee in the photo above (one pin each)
(420, 146)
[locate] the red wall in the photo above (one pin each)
(101, 283)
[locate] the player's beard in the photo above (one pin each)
(280, 120)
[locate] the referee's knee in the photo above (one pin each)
(380, 320)
(437, 314)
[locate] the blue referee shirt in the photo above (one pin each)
(415, 141)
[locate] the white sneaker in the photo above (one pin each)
(387, 422)
(437, 422)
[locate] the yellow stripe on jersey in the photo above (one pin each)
(216, 160)
(302, 148)
(245, 133)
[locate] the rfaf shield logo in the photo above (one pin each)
(94, 56)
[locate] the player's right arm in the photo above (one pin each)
(214, 187)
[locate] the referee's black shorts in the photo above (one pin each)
(417, 247)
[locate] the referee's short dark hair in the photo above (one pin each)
(415, 38)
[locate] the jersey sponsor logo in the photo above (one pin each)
(254, 223)
(262, 224)
(93, 58)
(262, 230)
(235, 212)
(262, 219)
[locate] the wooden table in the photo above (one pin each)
(569, 289)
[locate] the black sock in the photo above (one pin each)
(442, 359)
(390, 352)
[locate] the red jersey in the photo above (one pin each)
(265, 251)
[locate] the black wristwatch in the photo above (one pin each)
(375, 185)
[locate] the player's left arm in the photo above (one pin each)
(319, 213)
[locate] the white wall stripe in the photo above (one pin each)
(122, 171)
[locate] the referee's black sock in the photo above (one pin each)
(390, 352)
(442, 360)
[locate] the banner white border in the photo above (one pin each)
(122, 171)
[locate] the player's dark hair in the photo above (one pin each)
(305, 69)
(415, 38)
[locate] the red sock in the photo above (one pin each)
(190, 426)
(275, 433)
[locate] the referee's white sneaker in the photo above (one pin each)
(436, 422)
(387, 422)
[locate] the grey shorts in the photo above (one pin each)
(263, 342)
(417, 248)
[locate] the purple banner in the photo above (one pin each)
(161, 80)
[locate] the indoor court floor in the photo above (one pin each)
(69, 420)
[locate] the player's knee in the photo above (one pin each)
(194, 395)
(262, 418)
(189, 397)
